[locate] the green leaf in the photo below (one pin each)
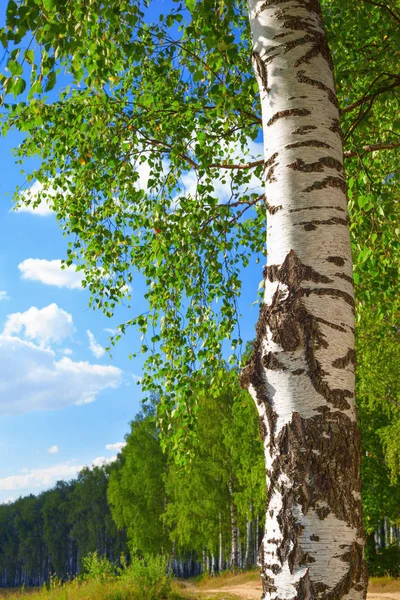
(190, 5)
(14, 67)
(29, 56)
(19, 86)
(51, 81)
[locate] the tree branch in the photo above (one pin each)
(385, 7)
(250, 165)
(371, 148)
(368, 97)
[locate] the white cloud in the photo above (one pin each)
(50, 324)
(31, 378)
(40, 478)
(101, 461)
(44, 207)
(111, 331)
(116, 447)
(53, 449)
(50, 272)
(94, 346)
(4, 296)
(67, 351)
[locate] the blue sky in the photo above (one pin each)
(64, 402)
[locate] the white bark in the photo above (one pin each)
(301, 374)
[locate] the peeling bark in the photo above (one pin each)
(301, 372)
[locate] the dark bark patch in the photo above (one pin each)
(311, 225)
(335, 293)
(291, 112)
(293, 272)
(330, 181)
(302, 78)
(260, 71)
(345, 277)
(314, 538)
(312, 143)
(344, 361)
(317, 166)
(272, 209)
(271, 362)
(335, 128)
(336, 260)
(332, 325)
(323, 512)
(298, 372)
(303, 129)
(339, 208)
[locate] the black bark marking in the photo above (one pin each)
(271, 362)
(333, 292)
(345, 277)
(314, 143)
(342, 363)
(332, 325)
(259, 66)
(317, 166)
(270, 161)
(298, 372)
(337, 260)
(303, 129)
(335, 128)
(330, 181)
(339, 208)
(311, 225)
(271, 164)
(272, 209)
(302, 78)
(292, 272)
(314, 538)
(297, 97)
(298, 112)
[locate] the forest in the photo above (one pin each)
(141, 127)
(205, 518)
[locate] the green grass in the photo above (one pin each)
(117, 589)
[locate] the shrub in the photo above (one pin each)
(149, 577)
(98, 567)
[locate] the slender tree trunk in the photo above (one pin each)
(248, 539)
(234, 547)
(256, 542)
(239, 546)
(221, 548)
(301, 373)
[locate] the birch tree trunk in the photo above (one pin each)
(301, 373)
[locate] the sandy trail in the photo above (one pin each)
(252, 591)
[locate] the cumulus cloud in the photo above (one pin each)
(116, 447)
(4, 296)
(94, 346)
(53, 449)
(50, 324)
(43, 209)
(32, 379)
(50, 272)
(67, 351)
(101, 461)
(40, 478)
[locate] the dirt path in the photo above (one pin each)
(252, 591)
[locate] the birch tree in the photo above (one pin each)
(178, 95)
(301, 373)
